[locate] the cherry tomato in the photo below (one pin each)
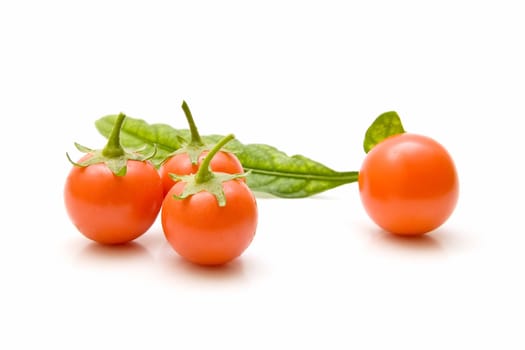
(408, 184)
(205, 233)
(113, 209)
(180, 164)
(210, 218)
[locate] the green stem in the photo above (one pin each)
(345, 177)
(204, 173)
(113, 148)
(195, 136)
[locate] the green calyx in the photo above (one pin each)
(195, 146)
(205, 179)
(113, 154)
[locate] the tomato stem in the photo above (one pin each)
(195, 136)
(113, 148)
(204, 173)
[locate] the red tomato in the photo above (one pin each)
(112, 209)
(408, 184)
(180, 164)
(203, 232)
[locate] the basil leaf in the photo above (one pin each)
(272, 171)
(387, 124)
(269, 169)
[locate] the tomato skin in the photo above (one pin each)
(112, 209)
(202, 232)
(180, 164)
(408, 184)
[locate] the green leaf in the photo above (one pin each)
(387, 124)
(270, 170)
(274, 172)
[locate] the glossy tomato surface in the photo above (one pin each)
(408, 184)
(113, 209)
(180, 164)
(203, 232)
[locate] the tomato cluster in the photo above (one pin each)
(209, 215)
(408, 185)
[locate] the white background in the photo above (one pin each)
(307, 77)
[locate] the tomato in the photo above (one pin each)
(408, 184)
(210, 218)
(205, 233)
(180, 164)
(112, 209)
(113, 195)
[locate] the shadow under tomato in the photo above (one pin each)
(419, 243)
(428, 243)
(233, 269)
(180, 269)
(440, 240)
(101, 253)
